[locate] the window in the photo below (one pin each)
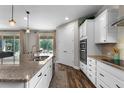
(10, 42)
(46, 42)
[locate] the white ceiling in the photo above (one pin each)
(43, 17)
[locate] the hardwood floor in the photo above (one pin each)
(68, 77)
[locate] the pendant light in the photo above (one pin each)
(28, 29)
(12, 22)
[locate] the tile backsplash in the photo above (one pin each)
(107, 49)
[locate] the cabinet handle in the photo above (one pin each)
(104, 40)
(102, 75)
(90, 75)
(39, 74)
(50, 66)
(118, 86)
(101, 86)
(45, 75)
(90, 65)
(90, 70)
(65, 51)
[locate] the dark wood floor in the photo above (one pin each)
(68, 77)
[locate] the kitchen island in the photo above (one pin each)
(27, 74)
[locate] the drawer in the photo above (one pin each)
(83, 67)
(91, 62)
(109, 79)
(92, 69)
(33, 82)
(112, 70)
(92, 77)
(101, 84)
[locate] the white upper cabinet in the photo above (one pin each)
(104, 31)
(83, 32)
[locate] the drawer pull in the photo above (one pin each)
(45, 75)
(101, 86)
(102, 75)
(90, 65)
(90, 75)
(39, 74)
(90, 70)
(118, 86)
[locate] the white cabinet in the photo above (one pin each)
(43, 77)
(65, 44)
(83, 30)
(109, 76)
(87, 30)
(101, 84)
(83, 67)
(104, 31)
(43, 83)
(91, 70)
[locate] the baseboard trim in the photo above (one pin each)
(75, 67)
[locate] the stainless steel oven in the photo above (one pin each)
(83, 51)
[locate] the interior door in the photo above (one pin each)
(65, 44)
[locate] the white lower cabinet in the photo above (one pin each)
(83, 67)
(43, 77)
(91, 70)
(101, 84)
(109, 79)
(42, 83)
(103, 75)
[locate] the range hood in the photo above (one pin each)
(119, 22)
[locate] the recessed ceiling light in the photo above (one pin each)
(66, 18)
(25, 18)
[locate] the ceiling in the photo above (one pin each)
(44, 17)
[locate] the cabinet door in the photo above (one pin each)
(84, 32)
(101, 28)
(42, 82)
(104, 32)
(65, 44)
(81, 32)
(101, 84)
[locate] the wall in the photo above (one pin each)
(76, 44)
(120, 44)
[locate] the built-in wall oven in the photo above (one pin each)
(83, 51)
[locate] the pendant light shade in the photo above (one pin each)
(28, 29)
(12, 22)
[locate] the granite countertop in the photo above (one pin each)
(21, 72)
(108, 61)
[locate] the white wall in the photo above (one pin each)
(76, 45)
